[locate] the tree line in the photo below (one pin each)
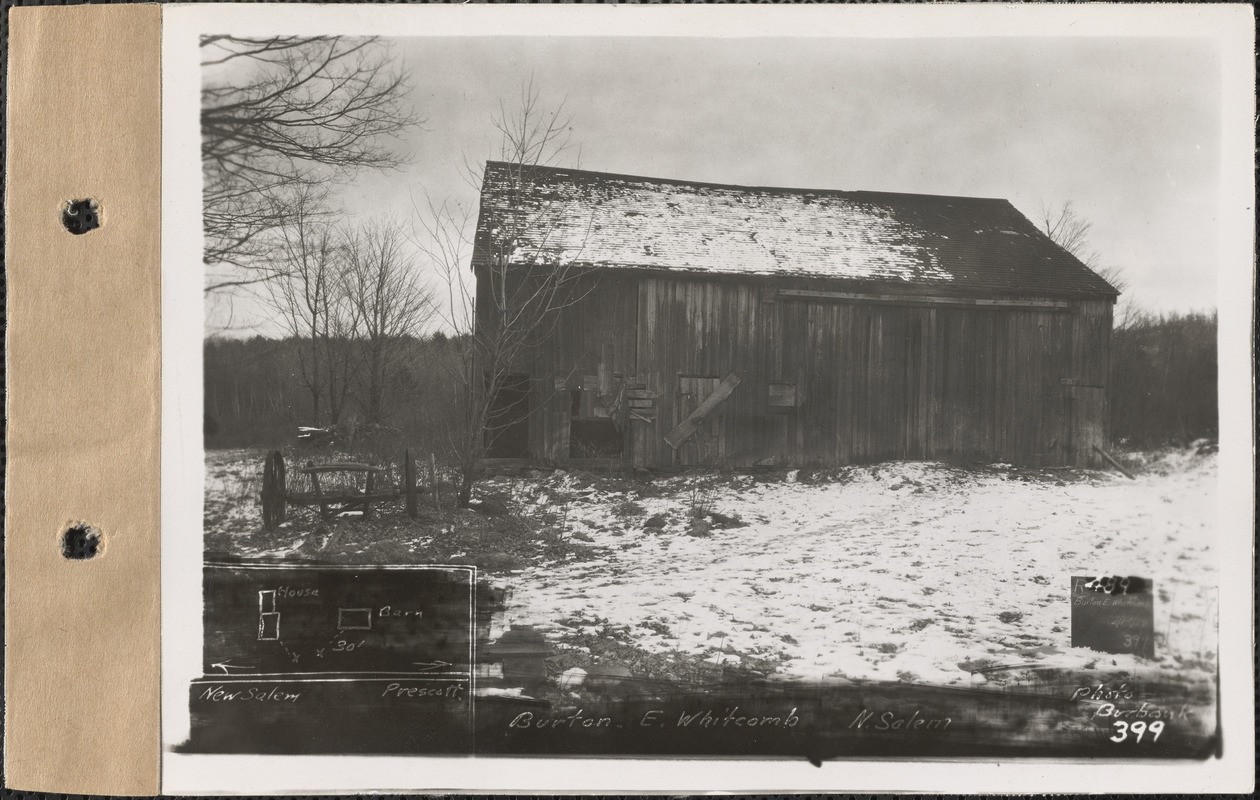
(256, 395)
(1163, 379)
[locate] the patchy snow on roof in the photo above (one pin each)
(575, 217)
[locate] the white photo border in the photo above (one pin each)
(1231, 26)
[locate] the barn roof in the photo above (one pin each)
(963, 245)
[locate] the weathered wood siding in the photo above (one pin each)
(596, 331)
(872, 380)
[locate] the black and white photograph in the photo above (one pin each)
(811, 390)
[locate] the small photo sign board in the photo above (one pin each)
(1113, 615)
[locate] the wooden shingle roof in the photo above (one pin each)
(962, 245)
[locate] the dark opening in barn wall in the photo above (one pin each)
(592, 432)
(596, 438)
(507, 422)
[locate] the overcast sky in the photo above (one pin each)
(1128, 130)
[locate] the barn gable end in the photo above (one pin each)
(822, 327)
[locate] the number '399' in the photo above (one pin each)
(1137, 729)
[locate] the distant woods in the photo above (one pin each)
(256, 395)
(1163, 386)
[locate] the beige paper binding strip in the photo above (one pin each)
(84, 352)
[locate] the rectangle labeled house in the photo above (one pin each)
(641, 322)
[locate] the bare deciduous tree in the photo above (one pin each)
(340, 342)
(1069, 230)
(389, 303)
(308, 301)
(520, 288)
(282, 113)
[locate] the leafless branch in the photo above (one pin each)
(282, 113)
(1071, 232)
(390, 304)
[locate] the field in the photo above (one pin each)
(922, 572)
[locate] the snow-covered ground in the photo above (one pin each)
(900, 571)
(911, 571)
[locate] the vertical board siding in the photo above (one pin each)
(597, 328)
(698, 329)
(873, 381)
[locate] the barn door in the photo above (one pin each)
(703, 447)
(1087, 415)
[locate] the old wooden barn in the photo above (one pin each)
(749, 326)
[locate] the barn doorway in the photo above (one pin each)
(592, 431)
(507, 419)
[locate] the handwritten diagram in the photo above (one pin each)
(296, 656)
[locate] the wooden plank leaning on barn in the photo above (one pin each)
(925, 300)
(1110, 460)
(687, 428)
